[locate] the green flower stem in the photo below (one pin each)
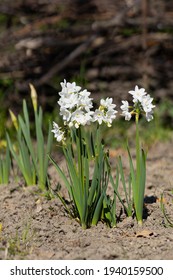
(80, 156)
(83, 193)
(139, 187)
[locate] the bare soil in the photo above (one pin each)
(34, 227)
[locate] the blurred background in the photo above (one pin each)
(106, 46)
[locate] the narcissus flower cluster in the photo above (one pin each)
(76, 109)
(142, 103)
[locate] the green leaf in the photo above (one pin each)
(47, 152)
(62, 175)
(76, 189)
(98, 210)
(94, 185)
(5, 166)
(123, 182)
(40, 149)
(115, 187)
(26, 133)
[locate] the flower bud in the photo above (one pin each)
(14, 119)
(33, 97)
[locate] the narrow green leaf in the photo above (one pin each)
(47, 152)
(133, 178)
(115, 187)
(94, 185)
(14, 154)
(76, 190)
(92, 146)
(98, 210)
(26, 133)
(40, 149)
(123, 181)
(62, 175)
(26, 115)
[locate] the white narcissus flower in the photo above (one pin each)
(66, 114)
(138, 94)
(58, 133)
(109, 117)
(69, 102)
(149, 116)
(98, 116)
(127, 115)
(84, 93)
(68, 88)
(107, 103)
(79, 117)
(125, 109)
(85, 103)
(147, 103)
(88, 117)
(106, 112)
(125, 106)
(142, 104)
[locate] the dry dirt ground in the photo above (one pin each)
(33, 227)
